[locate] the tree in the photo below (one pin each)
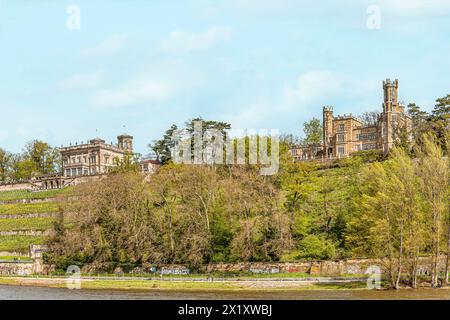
(441, 119)
(129, 163)
(114, 226)
(45, 157)
(162, 148)
(442, 108)
(389, 221)
(222, 127)
(21, 168)
(5, 163)
(370, 118)
(290, 140)
(447, 218)
(313, 132)
(433, 171)
(419, 120)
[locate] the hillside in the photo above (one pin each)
(25, 216)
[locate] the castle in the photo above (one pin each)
(85, 162)
(95, 157)
(344, 135)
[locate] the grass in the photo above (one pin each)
(25, 194)
(240, 275)
(15, 258)
(18, 243)
(26, 224)
(169, 285)
(26, 208)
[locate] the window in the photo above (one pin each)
(341, 137)
(358, 136)
(80, 171)
(86, 172)
(68, 172)
(341, 150)
(369, 146)
(74, 172)
(341, 127)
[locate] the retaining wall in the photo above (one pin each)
(17, 268)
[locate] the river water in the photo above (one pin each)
(38, 293)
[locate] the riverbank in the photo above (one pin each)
(189, 284)
(327, 292)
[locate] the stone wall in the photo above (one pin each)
(15, 186)
(17, 268)
(314, 268)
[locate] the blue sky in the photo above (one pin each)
(257, 64)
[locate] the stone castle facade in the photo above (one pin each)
(344, 135)
(85, 162)
(94, 157)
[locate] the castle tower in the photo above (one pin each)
(392, 111)
(125, 142)
(327, 130)
(390, 89)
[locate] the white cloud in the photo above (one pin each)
(78, 81)
(137, 92)
(313, 85)
(108, 46)
(181, 42)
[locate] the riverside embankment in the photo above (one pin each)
(17, 292)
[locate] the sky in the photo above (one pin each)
(139, 66)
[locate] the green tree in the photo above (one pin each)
(441, 119)
(313, 132)
(434, 174)
(388, 223)
(5, 163)
(44, 156)
(162, 148)
(22, 168)
(129, 163)
(419, 120)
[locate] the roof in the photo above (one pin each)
(150, 161)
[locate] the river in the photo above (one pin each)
(41, 293)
